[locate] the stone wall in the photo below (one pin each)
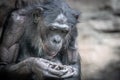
(99, 38)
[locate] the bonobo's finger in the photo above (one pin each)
(68, 75)
(47, 74)
(70, 72)
(57, 72)
(40, 64)
(44, 60)
(47, 61)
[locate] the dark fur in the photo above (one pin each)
(31, 42)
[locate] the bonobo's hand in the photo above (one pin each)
(47, 68)
(70, 72)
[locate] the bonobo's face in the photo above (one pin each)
(56, 22)
(55, 33)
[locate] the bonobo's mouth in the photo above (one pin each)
(51, 50)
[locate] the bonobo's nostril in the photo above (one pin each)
(57, 41)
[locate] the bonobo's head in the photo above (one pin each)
(54, 20)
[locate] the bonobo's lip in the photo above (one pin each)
(49, 51)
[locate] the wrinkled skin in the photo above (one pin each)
(41, 45)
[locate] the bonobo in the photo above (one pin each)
(47, 47)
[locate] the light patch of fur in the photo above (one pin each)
(60, 25)
(18, 18)
(61, 17)
(37, 43)
(60, 21)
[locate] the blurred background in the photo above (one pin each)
(99, 38)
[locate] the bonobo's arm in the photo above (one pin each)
(37, 66)
(74, 62)
(72, 58)
(9, 45)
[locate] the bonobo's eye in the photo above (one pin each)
(52, 28)
(65, 31)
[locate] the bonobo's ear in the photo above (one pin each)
(76, 14)
(36, 14)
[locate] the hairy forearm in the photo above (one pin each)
(77, 67)
(32, 65)
(14, 30)
(22, 67)
(74, 62)
(16, 71)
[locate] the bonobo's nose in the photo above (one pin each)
(57, 39)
